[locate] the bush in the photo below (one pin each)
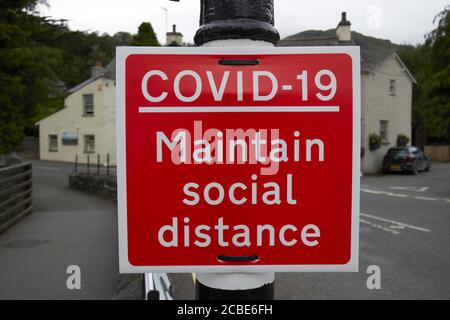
(402, 140)
(374, 141)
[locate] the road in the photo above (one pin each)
(66, 228)
(405, 223)
(405, 231)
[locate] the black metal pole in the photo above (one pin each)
(265, 292)
(98, 164)
(221, 23)
(107, 164)
(237, 19)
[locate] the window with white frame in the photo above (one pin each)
(392, 87)
(89, 144)
(384, 126)
(53, 143)
(88, 104)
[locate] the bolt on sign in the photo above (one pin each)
(238, 160)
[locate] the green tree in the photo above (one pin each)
(435, 95)
(123, 38)
(430, 64)
(40, 58)
(414, 60)
(145, 36)
(26, 70)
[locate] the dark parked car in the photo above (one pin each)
(406, 159)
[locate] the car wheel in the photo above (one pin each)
(415, 170)
(427, 169)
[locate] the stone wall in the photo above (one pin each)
(105, 185)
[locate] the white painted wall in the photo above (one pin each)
(378, 104)
(71, 119)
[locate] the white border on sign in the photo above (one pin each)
(125, 267)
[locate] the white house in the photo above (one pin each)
(386, 86)
(86, 125)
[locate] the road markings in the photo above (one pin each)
(398, 225)
(371, 191)
(377, 226)
(426, 198)
(398, 195)
(416, 188)
(401, 195)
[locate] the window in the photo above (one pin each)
(392, 87)
(69, 139)
(88, 104)
(384, 130)
(53, 143)
(89, 144)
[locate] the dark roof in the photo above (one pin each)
(80, 86)
(108, 72)
(373, 50)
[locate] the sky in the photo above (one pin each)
(401, 21)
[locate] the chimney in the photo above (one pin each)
(97, 71)
(174, 38)
(343, 30)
